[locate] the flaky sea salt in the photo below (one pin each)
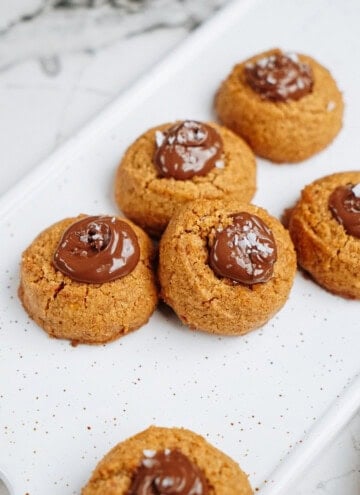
(159, 138)
(356, 190)
(167, 482)
(262, 62)
(148, 463)
(271, 79)
(219, 164)
(331, 106)
(149, 453)
(300, 83)
(293, 56)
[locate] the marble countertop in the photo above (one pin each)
(61, 62)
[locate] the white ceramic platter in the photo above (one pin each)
(258, 397)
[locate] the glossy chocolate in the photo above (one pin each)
(280, 77)
(168, 472)
(97, 249)
(187, 149)
(344, 204)
(244, 251)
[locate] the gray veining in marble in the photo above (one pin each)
(70, 26)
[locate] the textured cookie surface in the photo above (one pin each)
(150, 200)
(323, 247)
(201, 299)
(84, 312)
(288, 131)
(114, 473)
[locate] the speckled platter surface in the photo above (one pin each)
(270, 399)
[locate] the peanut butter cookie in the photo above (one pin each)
(325, 228)
(286, 106)
(89, 279)
(225, 267)
(172, 164)
(171, 461)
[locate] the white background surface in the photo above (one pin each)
(64, 78)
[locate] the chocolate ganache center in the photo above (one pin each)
(244, 251)
(167, 472)
(97, 249)
(187, 149)
(280, 77)
(344, 204)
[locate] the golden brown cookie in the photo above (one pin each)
(320, 229)
(220, 290)
(156, 457)
(150, 199)
(83, 311)
(286, 106)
